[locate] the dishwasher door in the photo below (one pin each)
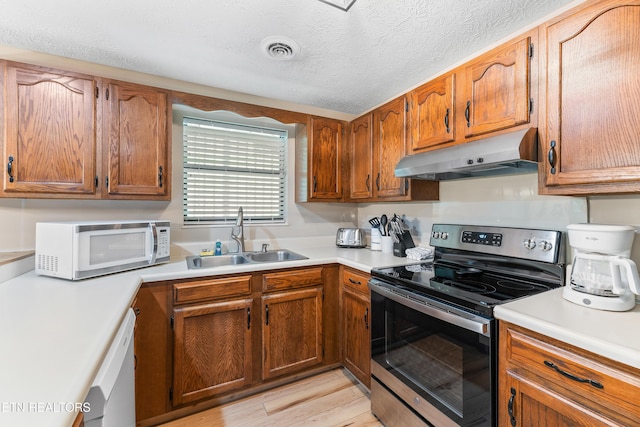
(112, 395)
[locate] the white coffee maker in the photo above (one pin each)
(602, 276)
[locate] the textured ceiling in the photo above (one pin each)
(348, 61)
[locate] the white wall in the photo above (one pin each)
(510, 201)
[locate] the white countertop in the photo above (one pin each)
(615, 335)
(55, 333)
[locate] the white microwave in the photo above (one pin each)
(78, 250)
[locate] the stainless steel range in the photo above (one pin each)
(434, 337)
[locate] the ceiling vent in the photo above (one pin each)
(280, 48)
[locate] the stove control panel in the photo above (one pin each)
(533, 244)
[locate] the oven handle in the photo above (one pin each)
(472, 323)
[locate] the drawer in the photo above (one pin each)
(588, 378)
(207, 289)
(292, 279)
(356, 280)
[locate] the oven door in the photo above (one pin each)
(439, 360)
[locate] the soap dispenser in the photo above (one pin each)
(218, 247)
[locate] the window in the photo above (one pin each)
(230, 165)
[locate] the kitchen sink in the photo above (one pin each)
(197, 262)
(275, 256)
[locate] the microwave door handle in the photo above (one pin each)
(154, 236)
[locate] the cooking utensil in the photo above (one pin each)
(383, 224)
(375, 222)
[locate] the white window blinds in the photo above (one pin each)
(231, 165)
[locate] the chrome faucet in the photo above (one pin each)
(237, 232)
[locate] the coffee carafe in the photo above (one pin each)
(602, 276)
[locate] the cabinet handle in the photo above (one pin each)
(466, 114)
(136, 311)
(248, 317)
(355, 282)
(573, 377)
(367, 182)
(10, 169)
(266, 316)
(446, 121)
(315, 184)
(160, 175)
(378, 181)
(366, 318)
(512, 418)
(552, 157)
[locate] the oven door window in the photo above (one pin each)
(445, 364)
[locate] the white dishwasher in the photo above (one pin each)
(112, 394)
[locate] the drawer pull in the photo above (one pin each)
(512, 418)
(573, 377)
(355, 282)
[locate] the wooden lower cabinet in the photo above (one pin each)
(208, 340)
(151, 347)
(291, 331)
(543, 381)
(211, 349)
(356, 336)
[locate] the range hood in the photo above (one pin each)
(511, 153)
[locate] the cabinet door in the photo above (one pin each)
(497, 89)
(325, 159)
(49, 127)
(524, 403)
(212, 349)
(390, 137)
(592, 85)
(433, 113)
(137, 148)
(356, 338)
(361, 154)
(292, 331)
(152, 344)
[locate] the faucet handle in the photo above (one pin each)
(264, 247)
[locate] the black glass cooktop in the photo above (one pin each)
(463, 285)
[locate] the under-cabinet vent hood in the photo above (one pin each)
(511, 153)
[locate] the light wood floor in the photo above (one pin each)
(331, 399)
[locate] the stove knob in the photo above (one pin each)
(445, 235)
(529, 243)
(435, 234)
(545, 246)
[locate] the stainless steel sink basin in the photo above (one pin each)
(197, 262)
(275, 256)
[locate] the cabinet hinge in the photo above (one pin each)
(172, 322)
(406, 184)
(107, 94)
(171, 394)
(97, 92)
(530, 105)
(531, 50)
(97, 181)
(106, 182)
(406, 106)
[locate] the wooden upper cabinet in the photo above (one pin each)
(69, 135)
(390, 142)
(591, 130)
(49, 122)
(496, 89)
(325, 159)
(361, 156)
(138, 140)
(433, 113)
